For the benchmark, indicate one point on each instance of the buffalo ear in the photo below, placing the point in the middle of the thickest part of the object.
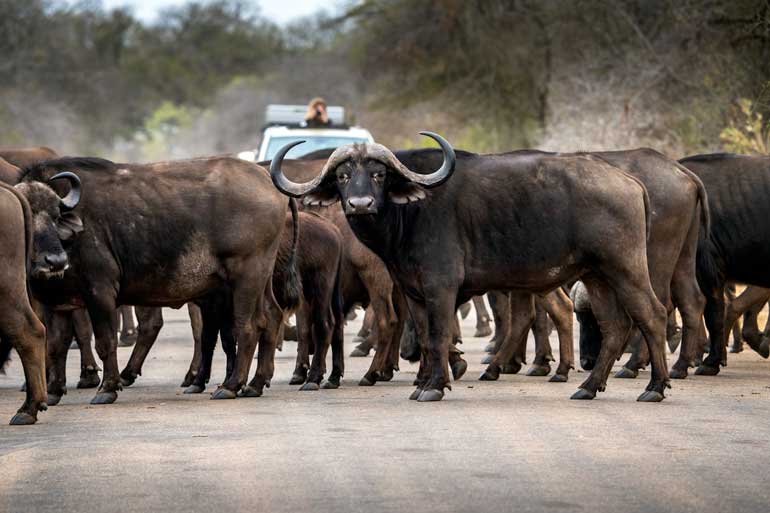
(324, 195)
(69, 225)
(406, 192)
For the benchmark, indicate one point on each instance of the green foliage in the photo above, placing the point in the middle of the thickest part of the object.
(492, 76)
(162, 126)
(747, 131)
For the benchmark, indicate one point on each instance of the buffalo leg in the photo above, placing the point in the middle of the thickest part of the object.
(103, 312)
(364, 339)
(522, 306)
(639, 359)
(58, 337)
(751, 298)
(419, 319)
(249, 320)
(24, 331)
(559, 307)
(267, 344)
(615, 326)
(482, 317)
(637, 298)
(209, 330)
(89, 370)
(128, 334)
(196, 325)
(691, 303)
(543, 356)
(304, 334)
(322, 326)
(501, 311)
(440, 308)
(381, 300)
(456, 362)
(150, 324)
(714, 315)
(337, 344)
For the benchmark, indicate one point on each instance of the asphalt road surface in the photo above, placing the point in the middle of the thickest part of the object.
(518, 444)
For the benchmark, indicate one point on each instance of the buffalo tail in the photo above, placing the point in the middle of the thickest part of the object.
(293, 285)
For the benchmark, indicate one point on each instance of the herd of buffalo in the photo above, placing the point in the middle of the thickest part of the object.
(622, 239)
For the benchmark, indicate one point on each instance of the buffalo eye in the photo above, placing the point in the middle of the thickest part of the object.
(343, 178)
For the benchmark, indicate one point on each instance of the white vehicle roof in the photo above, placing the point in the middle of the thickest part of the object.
(275, 137)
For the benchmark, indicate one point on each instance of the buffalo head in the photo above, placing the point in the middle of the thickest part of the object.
(364, 177)
(53, 221)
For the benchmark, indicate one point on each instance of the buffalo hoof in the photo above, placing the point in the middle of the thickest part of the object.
(675, 373)
(626, 373)
(706, 370)
(737, 347)
(487, 359)
(489, 375)
(310, 386)
(764, 348)
(357, 352)
(127, 380)
(53, 399)
(415, 395)
(106, 397)
(330, 384)
(127, 339)
(386, 376)
(483, 331)
(558, 378)
(23, 419)
(188, 379)
(510, 368)
(650, 396)
(539, 370)
(583, 395)
(430, 395)
(458, 369)
(297, 379)
(194, 389)
(490, 348)
(90, 380)
(250, 391)
(223, 393)
(366, 382)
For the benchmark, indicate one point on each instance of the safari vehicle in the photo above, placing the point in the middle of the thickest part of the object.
(285, 123)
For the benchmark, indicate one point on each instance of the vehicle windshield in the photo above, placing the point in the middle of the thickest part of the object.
(312, 143)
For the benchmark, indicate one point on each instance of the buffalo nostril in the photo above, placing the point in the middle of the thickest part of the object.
(361, 202)
(56, 261)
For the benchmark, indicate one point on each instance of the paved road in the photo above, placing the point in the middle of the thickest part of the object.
(517, 444)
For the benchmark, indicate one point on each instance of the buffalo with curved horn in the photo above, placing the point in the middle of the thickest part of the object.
(363, 194)
(522, 223)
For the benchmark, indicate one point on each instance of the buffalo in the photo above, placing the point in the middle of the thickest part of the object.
(738, 246)
(20, 328)
(44, 221)
(448, 236)
(680, 215)
(144, 242)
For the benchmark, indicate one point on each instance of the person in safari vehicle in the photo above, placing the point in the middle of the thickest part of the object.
(316, 116)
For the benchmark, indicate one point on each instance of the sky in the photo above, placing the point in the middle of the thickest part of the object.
(279, 11)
